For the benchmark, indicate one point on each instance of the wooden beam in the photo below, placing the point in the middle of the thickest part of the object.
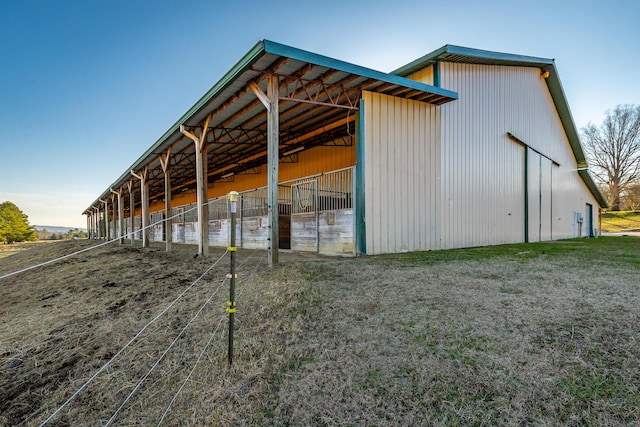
(165, 162)
(260, 95)
(202, 187)
(143, 176)
(132, 209)
(118, 194)
(97, 221)
(273, 143)
(105, 202)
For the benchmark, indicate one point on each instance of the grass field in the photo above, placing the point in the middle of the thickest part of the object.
(619, 222)
(530, 334)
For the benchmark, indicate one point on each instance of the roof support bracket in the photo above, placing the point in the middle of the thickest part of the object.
(143, 176)
(132, 208)
(261, 95)
(202, 187)
(118, 194)
(165, 162)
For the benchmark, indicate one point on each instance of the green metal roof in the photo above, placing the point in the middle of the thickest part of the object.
(459, 54)
(234, 103)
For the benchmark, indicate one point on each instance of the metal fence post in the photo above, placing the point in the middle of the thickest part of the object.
(231, 304)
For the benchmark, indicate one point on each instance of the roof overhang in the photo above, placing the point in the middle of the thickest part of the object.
(459, 54)
(326, 89)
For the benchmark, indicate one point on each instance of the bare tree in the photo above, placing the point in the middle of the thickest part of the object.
(632, 198)
(613, 150)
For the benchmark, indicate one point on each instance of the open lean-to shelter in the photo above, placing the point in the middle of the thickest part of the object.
(462, 147)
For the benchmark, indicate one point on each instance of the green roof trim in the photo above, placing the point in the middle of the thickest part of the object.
(251, 57)
(451, 53)
(246, 62)
(325, 61)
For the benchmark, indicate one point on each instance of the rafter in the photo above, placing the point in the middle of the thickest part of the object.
(318, 92)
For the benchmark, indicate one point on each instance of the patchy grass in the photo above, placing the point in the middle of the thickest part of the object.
(14, 248)
(619, 222)
(535, 334)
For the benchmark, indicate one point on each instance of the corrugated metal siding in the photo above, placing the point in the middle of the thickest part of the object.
(540, 196)
(310, 162)
(482, 169)
(546, 180)
(423, 76)
(495, 100)
(401, 154)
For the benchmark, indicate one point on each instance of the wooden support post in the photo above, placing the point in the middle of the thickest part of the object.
(132, 210)
(273, 137)
(93, 224)
(165, 162)
(118, 194)
(106, 218)
(113, 226)
(202, 191)
(143, 176)
(97, 222)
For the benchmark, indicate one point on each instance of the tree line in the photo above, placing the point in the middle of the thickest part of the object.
(613, 152)
(15, 227)
(75, 233)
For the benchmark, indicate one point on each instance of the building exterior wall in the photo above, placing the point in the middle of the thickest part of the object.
(450, 176)
(401, 153)
(313, 161)
(482, 171)
(425, 75)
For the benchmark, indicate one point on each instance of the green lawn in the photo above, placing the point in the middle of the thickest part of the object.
(618, 222)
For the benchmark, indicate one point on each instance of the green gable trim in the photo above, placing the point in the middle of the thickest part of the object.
(451, 53)
(459, 54)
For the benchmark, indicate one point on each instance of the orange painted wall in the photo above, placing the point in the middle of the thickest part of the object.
(310, 162)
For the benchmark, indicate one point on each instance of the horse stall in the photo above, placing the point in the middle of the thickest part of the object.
(254, 219)
(322, 215)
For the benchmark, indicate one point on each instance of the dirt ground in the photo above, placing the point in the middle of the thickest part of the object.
(538, 334)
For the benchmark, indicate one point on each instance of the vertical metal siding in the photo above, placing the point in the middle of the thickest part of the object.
(401, 150)
(482, 170)
(423, 76)
(546, 180)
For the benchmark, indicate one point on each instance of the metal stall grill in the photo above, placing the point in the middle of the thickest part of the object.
(322, 217)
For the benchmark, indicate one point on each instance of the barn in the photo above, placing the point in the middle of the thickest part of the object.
(462, 147)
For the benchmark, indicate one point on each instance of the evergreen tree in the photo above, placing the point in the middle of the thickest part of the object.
(14, 225)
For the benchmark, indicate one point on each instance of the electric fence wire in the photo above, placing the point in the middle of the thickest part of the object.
(206, 346)
(101, 244)
(144, 377)
(133, 339)
(164, 353)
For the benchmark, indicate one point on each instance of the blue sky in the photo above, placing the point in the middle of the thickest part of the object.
(87, 86)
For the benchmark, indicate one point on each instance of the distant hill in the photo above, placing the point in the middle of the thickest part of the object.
(56, 229)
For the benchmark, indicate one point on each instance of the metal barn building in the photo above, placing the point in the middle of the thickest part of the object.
(462, 147)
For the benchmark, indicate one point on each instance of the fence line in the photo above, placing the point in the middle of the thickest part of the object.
(146, 375)
(131, 341)
(166, 411)
(98, 245)
(164, 353)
